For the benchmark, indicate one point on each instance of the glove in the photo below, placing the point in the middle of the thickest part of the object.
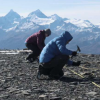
(74, 53)
(76, 63)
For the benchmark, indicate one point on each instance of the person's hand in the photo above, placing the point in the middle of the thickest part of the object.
(76, 63)
(74, 53)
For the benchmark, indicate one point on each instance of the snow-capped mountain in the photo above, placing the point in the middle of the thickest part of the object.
(98, 25)
(4, 23)
(2, 33)
(80, 23)
(13, 17)
(10, 20)
(41, 21)
(55, 17)
(26, 25)
(59, 26)
(65, 19)
(14, 30)
(37, 13)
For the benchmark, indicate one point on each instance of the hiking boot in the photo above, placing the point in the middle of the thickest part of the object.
(29, 60)
(57, 76)
(37, 60)
(38, 75)
(41, 76)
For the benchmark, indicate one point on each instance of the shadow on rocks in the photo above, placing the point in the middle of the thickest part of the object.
(69, 79)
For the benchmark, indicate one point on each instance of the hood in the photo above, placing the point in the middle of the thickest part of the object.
(66, 36)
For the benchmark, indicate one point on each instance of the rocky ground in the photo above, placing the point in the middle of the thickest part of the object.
(18, 79)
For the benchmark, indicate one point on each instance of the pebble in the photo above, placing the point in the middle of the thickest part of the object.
(91, 93)
(43, 97)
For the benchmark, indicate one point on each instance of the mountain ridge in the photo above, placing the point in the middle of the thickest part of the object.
(17, 29)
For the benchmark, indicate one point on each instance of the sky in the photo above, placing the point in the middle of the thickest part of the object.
(79, 9)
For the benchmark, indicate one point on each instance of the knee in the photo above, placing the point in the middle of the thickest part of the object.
(65, 57)
(26, 44)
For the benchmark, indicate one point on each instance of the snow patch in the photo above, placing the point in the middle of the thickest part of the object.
(8, 52)
(80, 23)
(15, 22)
(42, 21)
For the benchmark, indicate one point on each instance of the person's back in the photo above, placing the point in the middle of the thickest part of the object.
(34, 37)
(55, 47)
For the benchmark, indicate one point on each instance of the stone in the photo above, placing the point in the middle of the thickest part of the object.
(11, 89)
(91, 93)
(43, 97)
(26, 92)
(5, 96)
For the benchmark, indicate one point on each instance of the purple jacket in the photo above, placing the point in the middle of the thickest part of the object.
(37, 39)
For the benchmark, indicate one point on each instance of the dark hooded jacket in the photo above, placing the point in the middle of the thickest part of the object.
(55, 47)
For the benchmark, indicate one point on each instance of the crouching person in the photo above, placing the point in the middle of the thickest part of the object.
(36, 43)
(55, 55)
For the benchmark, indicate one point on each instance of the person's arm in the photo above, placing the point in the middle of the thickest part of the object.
(69, 62)
(72, 63)
(40, 41)
(43, 44)
(62, 47)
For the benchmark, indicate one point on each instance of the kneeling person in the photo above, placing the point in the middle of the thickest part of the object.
(55, 55)
(36, 43)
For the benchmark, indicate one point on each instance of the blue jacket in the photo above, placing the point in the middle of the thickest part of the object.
(56, 47)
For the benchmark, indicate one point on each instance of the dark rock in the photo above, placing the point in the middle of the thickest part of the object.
(55, 98)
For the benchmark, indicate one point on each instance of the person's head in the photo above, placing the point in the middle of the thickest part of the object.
(47, 32)
(66, 37)
(68, 41)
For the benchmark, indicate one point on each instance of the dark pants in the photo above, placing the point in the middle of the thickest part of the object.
(54, 67)
(35, 51)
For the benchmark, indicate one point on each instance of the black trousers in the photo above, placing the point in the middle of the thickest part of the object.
(55, 66)
(35, 51)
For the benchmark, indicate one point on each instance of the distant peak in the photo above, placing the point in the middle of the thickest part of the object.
(11, 10)
(38, 10)
(37, 13)
(11, 14)
(87, 21)
(55, 16)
